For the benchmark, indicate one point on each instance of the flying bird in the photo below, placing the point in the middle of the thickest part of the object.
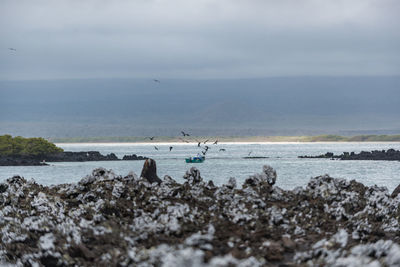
(216, 142)
(157, 81)
(185, 134)
(12, 49)
(207, 147)
(250, 153)
(151, 138)
(170, 148)
(222, 149)
(156, 148)
(206, 141)
(204, 152)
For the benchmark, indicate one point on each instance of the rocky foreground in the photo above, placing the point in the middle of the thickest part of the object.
(108, 219)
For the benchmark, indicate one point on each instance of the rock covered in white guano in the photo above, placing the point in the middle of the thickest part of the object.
(231, 183)
(270, 174)
(268, 177)
(193, 176)
(129, 221)
(99, 174)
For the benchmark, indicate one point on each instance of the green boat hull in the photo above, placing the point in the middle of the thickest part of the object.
(195, 160)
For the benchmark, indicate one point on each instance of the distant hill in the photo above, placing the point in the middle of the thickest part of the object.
(194, 139)
(270, 106)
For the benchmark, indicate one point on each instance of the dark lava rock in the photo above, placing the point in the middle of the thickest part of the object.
(3, 187)
(21, 161)
(110, 220)
(149, 171)
(133, 157)
(69, 156)
(390, 154)
(193, 175)
(396, 191)
(66, 156)
(262, 181)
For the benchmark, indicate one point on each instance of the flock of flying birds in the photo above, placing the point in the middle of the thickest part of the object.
(206, 148)
(199, 143)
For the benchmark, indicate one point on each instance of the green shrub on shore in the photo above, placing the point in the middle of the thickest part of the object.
(18, 145)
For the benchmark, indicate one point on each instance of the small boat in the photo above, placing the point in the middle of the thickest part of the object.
(198, 159)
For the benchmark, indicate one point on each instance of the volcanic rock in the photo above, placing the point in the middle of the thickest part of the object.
(396, 191)
(108, 219)
(66, 156)
(149, 171)
(193, 175)
(133, 157)
(389, 154)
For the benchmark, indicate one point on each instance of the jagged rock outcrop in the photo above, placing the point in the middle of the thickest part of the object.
(193, 176)
(66, 156)
(389, 154)
(108, 219)
(149, 171)
(21, 161)
(396, 191)
(133, 157)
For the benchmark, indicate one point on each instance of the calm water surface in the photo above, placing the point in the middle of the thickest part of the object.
(220, 165)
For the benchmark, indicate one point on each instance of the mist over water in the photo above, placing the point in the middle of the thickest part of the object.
(220, 166)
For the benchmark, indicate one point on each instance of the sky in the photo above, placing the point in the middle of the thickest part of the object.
(198, 39)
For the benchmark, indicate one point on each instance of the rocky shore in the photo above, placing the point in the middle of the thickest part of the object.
(108, 219)
(31, 160)
(389, 154)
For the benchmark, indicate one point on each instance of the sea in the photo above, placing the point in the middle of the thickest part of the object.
(224, 160)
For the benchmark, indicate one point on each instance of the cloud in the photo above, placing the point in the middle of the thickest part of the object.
(198, 39)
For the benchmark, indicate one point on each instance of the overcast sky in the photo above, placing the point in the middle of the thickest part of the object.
(198, 39)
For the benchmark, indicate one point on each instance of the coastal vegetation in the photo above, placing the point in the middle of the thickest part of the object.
(318, 138)
(20, 146)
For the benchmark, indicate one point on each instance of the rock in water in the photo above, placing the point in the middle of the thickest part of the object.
(396, 191)
(149, 171)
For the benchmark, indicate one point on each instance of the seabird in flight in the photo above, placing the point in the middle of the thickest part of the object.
(185, 134)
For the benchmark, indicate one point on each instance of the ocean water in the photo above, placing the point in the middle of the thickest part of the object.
(221, 165)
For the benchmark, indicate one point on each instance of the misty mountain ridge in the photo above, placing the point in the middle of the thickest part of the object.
(269, 106)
